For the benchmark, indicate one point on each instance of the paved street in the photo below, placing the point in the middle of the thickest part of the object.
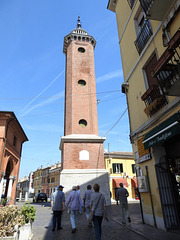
(112, 230)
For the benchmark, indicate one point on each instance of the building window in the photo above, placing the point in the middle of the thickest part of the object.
(143, 30)
(138, 172)
(52, 180)
(133, 168)
(148, 72)
(83, 155)
(153, 98)
(81, 50)
(83, 123)
(117, 167)
(82, 83)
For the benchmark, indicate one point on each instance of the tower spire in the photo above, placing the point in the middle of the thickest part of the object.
(78, 22)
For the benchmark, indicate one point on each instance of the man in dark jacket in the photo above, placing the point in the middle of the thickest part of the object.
(122, 194)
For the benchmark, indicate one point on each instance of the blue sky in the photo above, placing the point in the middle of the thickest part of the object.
(32, 73)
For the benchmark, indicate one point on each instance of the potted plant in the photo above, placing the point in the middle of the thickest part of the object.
(10, 216)
(29, 212)
(15, 223)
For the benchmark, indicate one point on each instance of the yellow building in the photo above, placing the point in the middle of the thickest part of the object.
(37, 180)
(121, 168)
(54, 177)
(149, 39)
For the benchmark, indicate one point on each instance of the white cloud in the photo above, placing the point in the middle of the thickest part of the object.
(48, 101)
(44, 127)
(42, 92)
(109, 76)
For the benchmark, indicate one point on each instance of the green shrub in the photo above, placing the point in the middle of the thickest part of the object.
(29, 212)
(9, 217)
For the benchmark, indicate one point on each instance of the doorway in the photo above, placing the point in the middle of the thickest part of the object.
(171, 172)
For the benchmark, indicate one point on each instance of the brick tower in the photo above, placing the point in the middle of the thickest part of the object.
(82, 153)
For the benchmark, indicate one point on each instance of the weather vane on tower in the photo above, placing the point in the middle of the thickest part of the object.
(78, 22)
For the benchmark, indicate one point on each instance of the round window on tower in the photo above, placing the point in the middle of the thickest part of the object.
(83, 123)
(82, 83)
(81, 49)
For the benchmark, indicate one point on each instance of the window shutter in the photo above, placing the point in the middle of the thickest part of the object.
(133, 168)
(114, 167)
(121, 167)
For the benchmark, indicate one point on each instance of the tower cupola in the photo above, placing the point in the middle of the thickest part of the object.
(78, 34)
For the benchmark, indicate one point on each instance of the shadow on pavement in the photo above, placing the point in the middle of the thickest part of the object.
(42, 227)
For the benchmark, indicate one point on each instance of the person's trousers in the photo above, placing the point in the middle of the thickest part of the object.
(87, 212)
(57, 218)
(73, 218)
(97, 220)
(124, 211)
(80, 209)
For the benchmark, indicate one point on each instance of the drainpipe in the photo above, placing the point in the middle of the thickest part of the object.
(150, 196)
(5, 140)
(140, 201)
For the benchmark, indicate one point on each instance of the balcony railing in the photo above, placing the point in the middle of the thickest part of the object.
(143, 36)
(146, 5)
(167, 70)
(154, 9)
(154, 100)
(131, 3)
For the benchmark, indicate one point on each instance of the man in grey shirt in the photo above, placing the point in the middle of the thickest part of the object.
(122, 195)
(98, 205)
(57, 205)
(86, 198)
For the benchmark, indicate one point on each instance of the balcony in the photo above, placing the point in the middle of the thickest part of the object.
(143, 36)
(156, 9)
(167, 70)
(131, 3)
(154, 100)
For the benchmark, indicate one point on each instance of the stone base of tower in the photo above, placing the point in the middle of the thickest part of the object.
(84, 177)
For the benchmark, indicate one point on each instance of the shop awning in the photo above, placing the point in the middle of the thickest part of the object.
(163, 132)
(134, 183)
(168, 53)
(117, 181)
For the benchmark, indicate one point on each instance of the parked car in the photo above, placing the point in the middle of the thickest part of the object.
(40, 197)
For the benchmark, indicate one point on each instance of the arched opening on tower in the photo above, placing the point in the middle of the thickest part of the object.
(83, 123)
(82, 82)
(81, 50)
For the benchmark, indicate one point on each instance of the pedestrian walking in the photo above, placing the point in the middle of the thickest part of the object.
(86, 198)
(78, 190)
(57, 205)
(74, 201)
(98, 205)
(122, 194)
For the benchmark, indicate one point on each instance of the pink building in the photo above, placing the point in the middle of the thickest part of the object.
(12, 137)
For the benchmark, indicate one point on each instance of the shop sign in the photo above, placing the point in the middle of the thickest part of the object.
(161, 138)
(143, 154)
(143, 184)
(163, 132)
(145, 157)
